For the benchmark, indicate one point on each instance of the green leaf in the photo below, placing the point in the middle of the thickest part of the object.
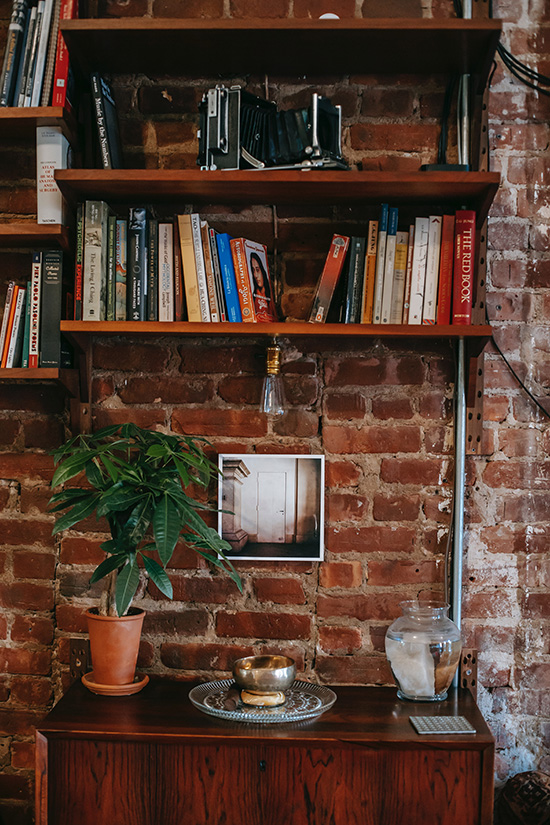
(80, 511)
(126, 585)
(69, 468)
(158, 576)
(137, 523)
(107, 566)
(119, 497)
(166, 528)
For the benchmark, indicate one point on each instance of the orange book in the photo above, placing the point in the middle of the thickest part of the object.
(370, 273)
(329, 278)
(446, 270)
(9, 325)
(464, 266)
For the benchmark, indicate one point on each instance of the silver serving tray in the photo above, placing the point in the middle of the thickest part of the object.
(303, 701)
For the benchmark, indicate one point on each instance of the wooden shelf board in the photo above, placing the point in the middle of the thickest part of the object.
(287, 47)
(475, 190)
(68, 378)
(33, 234)
(21, 121)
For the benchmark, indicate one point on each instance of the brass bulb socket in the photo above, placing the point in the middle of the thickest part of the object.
(273, 365)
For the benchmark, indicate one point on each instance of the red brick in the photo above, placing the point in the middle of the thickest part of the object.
(31, 692)
(517, 475)
(71, 618)
(159, 389)
(241, 389)
(263, 625)
(345, 440)
(340, 639)
(13, 786)
(43, 433)
(28, 628)
(199, 589)
(407, 369)
(314, 8)
(19, 660)
(383, 573)
(345, 406)
(496, 604)
(342, 474)
(202, 656)
(219, 422)
(341, 574)
(3, 627)
(19, 723)
(396, 508)
(363, 607)
(417, 471)
(28, 565)
(279, 591)
(186, 622)
(370, 539)
(517, 443)
(298, 423)
(496, 407)
(35, 499)
(27, 596)
(353, 670)
(81, 551)
(8, 433)
(391, 408)
(131, 356)
(407, 138)
(22, 755)
(222, 359)
(16, 466)
(148, 419)
(300, 390)
(258, 8)
(345, 507)
(45, 401)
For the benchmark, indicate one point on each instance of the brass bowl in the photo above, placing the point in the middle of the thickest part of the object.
(265, 674)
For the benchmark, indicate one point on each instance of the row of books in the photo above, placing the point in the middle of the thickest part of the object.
(29, 335)
(422, 275)
(140, 268)
(35, 68)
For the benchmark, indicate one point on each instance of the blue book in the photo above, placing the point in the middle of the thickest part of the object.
(228, 277)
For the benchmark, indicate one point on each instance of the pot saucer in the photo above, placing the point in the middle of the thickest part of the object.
(114, 690)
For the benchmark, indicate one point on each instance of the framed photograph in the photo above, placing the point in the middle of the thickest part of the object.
(272, 506)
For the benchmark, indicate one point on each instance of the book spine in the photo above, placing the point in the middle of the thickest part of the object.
(9, 328)
(111, 124)
(16, 30)
(41, 53)
(399, 272)
(79, 256)
(380, 261)
(228, 276)
(111, 253)
(179, 291)
(217, 274)
(137, 263)
(242, 278)
(152, 271)
(389, 264)
(370, 273)
(463, 278)
(16, 338)
(5, 316)
(408, 277)
(99, 109)
(50, 55)
(429, 308)
(50, 336)
(27, 97)
(36, 283)
(121, 269)
(52, 152)
(445, 290)
(94, 279)
(69, 10)
(200, 267)
(27, 36)
(332, 270)
(209, 269)
(418, 274)
(27, 329)
(166, 271)
(189, 268)
(255, 259)
(355, 280)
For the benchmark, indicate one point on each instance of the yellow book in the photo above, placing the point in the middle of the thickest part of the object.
(189, 268)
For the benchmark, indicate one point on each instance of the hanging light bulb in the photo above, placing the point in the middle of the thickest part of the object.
(273, 396)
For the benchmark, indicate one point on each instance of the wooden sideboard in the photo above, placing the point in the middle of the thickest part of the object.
(154, 759)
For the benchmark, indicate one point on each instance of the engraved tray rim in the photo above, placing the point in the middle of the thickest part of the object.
(262, 716)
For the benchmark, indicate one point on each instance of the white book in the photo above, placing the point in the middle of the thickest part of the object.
(94, 268)
(399, 272)
(52, 152)
(389, 264)
(199, 264)
(418, 273)
(166, 271)
(41, 53)
(16, 337)
(429, 309)
(380, 261)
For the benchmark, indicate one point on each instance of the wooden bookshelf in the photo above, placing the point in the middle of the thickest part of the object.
(66, 378)
(14, 235)
(227, 47)
(21, 121)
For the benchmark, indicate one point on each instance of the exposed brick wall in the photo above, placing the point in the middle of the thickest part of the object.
(381, 414)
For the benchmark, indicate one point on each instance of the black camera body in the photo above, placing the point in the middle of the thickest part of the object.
(239, 130)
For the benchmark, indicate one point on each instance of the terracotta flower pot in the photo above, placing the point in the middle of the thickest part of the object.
(114, 647)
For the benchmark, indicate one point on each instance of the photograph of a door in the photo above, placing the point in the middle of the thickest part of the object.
(272, 506)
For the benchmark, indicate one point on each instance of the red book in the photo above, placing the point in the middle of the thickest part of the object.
(464, 266)
(446, 257)
(329, 278)
(69, 10)
(253, 282)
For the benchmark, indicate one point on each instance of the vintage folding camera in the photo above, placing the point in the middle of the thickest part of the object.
(239, 130)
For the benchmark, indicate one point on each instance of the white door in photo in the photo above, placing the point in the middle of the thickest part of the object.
(271, 507)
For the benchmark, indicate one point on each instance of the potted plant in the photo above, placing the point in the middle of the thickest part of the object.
(138, 480)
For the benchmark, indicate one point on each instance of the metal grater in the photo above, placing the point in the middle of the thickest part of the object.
(441, 724)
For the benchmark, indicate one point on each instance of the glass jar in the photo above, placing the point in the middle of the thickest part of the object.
(423, 648)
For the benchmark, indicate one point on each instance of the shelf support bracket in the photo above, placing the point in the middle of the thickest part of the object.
(81, 408)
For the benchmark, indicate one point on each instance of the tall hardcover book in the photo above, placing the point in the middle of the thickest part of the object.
(330, 275)
(243, 280)
(418, 274)
(36, 288)
(166, 270)
(227, 267)
(25, 95)
(446, 258)
(215, 258)
(5, 316)
(16, 33)
(253, 280)
(27, 328)
(356, 269)
(370, 273)
(78, 260)
(41, 53)
(51, 300)
(52, 152)
(61, 77)
(111, 268)
(121, 270)
(152, 271)
(106, 122)
(137, 263)
(380, 262)
(47, 82)
(464, 266)
(389, 264)
(399, 273)
(429, 308)
(408, 277)
(200, 266)
(94, 268)
(180, 310)
(23, 55)
(189, 268)
(15, 345)
(209, 269)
